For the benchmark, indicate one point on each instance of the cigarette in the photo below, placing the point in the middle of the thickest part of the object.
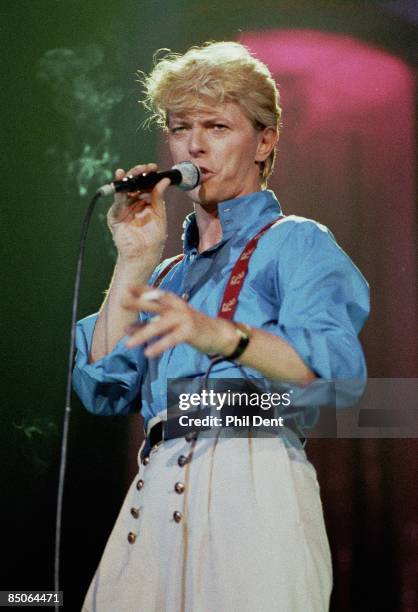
(152, 295)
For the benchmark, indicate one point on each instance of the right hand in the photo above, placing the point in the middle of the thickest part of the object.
(138, 221)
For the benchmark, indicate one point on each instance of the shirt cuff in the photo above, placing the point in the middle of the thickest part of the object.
(109, 385)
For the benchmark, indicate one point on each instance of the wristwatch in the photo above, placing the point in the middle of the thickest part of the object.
(244, 333)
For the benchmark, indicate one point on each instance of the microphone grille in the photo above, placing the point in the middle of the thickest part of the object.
(190, 173)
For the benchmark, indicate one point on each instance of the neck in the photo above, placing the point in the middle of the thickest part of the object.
(209, 225)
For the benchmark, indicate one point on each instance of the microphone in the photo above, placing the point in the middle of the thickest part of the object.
(184, 175)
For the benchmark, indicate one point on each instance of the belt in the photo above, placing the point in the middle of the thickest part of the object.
(162, 431)
(171, 429)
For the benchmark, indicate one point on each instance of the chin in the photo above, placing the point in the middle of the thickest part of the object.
(203, 196)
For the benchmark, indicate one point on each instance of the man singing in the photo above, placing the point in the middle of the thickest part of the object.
(217, 523)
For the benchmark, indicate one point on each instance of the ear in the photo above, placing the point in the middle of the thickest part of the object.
(268, 139)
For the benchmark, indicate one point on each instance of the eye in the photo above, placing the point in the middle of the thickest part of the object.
(219, 127)
(178, 129)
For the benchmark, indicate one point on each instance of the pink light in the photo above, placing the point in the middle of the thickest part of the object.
(338, 73)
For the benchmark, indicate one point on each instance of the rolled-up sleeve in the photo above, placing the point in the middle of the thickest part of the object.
(110, 385)
(324, 304)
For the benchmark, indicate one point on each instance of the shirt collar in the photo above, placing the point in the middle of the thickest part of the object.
(246, 215)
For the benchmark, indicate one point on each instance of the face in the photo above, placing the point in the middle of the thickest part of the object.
(222, 141)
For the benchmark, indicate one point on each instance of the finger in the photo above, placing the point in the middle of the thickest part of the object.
(156, 300)
(155, 327)
(137, 290)
(132, 328)
(120, 199)
(149, 292)
(157, 199)
(132, 195)
(129, 199)
(169, 340)
(142, 168)
(124, 209)
(134, 171)
(136, 305)
(161, 186)
(171, 300)
(121, 203)
(152, 294)
(142, 297)
(138, 204)
(143, 196)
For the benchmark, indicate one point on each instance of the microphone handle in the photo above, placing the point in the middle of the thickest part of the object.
(147, 181)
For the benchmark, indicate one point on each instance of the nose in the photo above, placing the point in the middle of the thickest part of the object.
(197, 141)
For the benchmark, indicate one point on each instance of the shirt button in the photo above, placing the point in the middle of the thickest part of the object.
(185, 296)
(177, 516)
(145, 460)
(182, 460)
(131, 537)
(139, 484)
(135, 512)
(179, 487)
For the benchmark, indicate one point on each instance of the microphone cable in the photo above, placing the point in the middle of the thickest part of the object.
(186, 176)
(67, 413)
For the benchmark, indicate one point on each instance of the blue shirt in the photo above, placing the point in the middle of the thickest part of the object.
(301, 286)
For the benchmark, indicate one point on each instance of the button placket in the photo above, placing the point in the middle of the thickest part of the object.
(180, 486)
(135, 510)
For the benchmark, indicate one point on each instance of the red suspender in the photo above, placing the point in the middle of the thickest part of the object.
(238, 274)
(237, 277)
(167, 269)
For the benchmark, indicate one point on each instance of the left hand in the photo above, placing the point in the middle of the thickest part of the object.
(176, 322)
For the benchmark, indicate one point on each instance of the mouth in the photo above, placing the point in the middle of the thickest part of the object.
(205, 173)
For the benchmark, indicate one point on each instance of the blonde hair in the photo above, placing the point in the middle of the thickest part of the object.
(215, 72)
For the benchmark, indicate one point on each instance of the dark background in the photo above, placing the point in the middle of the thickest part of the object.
(69, 116)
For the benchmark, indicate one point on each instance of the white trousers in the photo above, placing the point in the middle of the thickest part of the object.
(242, 531)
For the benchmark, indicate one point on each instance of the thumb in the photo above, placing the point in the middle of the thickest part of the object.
(157, 194)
